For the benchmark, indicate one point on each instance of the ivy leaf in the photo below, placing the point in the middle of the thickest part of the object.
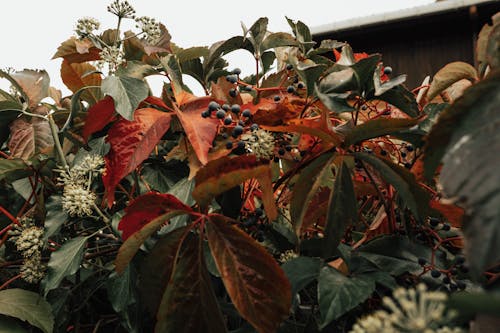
(142, 218)
(277, 39)
(27, 306)
(35, 84)
(127, 93)
(56, 216)
(449, 74)
(98, 116)
(342, 210)
(30, 136)
(76, 76)
(131, 143)
(382, 87)
(311, 178)
(200, 132)
(225, 173)
(121, 289)
(256, 284)
(189, 303)
(469, 131)
(145, 208)
(64, 262)
(401, 98)
(337, 293)
(301, 271)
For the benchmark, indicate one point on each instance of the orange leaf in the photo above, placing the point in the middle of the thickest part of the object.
(75, 50)
(256, 284)
(131, 143)
(452, 213)
(271, 113)
(200, 131)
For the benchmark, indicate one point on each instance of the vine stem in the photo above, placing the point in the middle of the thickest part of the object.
(9, 281)
(57, 144)
(9, 215)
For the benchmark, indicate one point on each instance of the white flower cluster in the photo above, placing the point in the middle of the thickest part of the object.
(150, 28)
(113, 56)
(122, 9)
(29, 241)
(260, 143)
(86, 26)
(77, 198)
(287, 256)
(410, 310)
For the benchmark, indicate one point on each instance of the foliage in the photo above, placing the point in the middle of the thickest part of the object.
(291, 200)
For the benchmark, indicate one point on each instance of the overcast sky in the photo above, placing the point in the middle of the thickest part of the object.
(32, 30)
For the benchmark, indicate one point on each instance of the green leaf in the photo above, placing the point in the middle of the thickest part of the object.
(342, 210)
(337, 293)
(256, 284)
(311, 178)
(449, 74)
(189, 303)
(64, 262)
(121, 289)
(301, 271)
(127, 93)
(136, 69)
(303, 35)
(219, 49)
(395, 255)
(401, 98)
(364, 71)
(14, 169)
(55, 218)
(432, 111)
(469, 129)
(75, 106)
(191, 53)
(257, 32)
(277, 39)
(377, 127)
(28, 306)
(413, 196)
(475, 303)
(308, 71)
(11, 325)
(173, 69)
(382, 87)
(9, 111)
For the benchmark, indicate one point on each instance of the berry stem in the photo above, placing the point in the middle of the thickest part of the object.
(9, 281)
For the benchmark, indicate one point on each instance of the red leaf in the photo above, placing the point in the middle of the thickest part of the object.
(131, 143)
(147, 207)
(224, 173)
(154, 101)
(98, 116)
(256, 284)
(75, 50)
(200, 131)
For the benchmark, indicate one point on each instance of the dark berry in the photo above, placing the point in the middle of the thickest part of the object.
(235, 108)
(232, 78)
(236, 71)
(435, 273)
(300, 85)
(246, 113)
(459, 260)
(254, 127)
(387, 70)
(296, 79)
(277, 98)
(446, 227)
(250, 221)
(403, 154)
(290, 89)
(241, 123)
(281, 151)
(461, 285)
(433, 221)
(260, 237)
(224, 135)
(225, 107)
(259, 211)
(303, 153)
(288, 148)
(212, 106)
(276, 159)
(220, 114)
(383, 152)
(453, 271)
(246, 88)
(407, 165)
(237, 131)
(228, 121)
(205, 114)
(289, 67)
(409, 148)
(364, 107)
(422, 261)
(453, 287)
(233, 92)
(446, 280)
(241, 145)
(229, 145)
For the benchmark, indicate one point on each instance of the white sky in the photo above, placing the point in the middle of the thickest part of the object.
(31, 30)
